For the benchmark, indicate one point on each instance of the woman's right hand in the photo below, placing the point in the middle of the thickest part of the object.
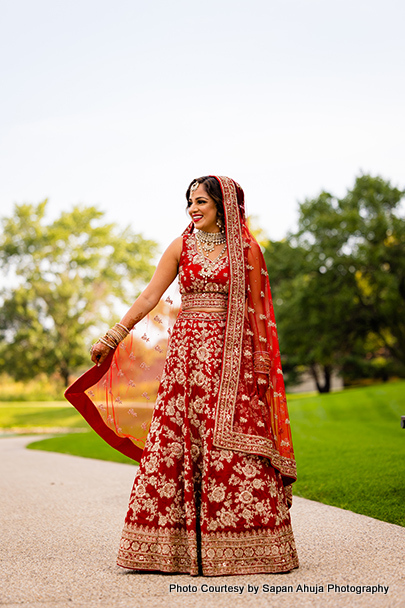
(99, 352)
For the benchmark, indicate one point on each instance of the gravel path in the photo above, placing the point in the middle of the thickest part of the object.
(61, 523)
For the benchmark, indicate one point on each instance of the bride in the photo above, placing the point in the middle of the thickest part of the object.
(213, 489)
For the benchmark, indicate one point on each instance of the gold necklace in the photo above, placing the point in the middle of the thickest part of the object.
(208, 265)
(209, 240)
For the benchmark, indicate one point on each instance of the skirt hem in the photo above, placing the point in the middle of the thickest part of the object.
(230, 571)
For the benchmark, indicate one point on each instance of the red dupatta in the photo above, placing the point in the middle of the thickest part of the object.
(117, 397)
(259, 427)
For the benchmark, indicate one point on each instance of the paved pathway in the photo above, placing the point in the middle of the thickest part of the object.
(61, 520)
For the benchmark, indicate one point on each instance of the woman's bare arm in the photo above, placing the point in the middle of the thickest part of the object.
(165, 274)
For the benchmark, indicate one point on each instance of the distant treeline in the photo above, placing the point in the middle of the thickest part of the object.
(338, 286)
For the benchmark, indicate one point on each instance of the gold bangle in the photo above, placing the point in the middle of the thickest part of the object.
(114, 336)
(106, 343)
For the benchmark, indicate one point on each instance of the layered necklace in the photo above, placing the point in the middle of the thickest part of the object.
(209, 240)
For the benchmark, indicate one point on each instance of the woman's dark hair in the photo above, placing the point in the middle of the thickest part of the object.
(213, 188)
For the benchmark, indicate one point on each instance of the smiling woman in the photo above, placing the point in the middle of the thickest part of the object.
(207, 212)
(205, 204)
(214, 483)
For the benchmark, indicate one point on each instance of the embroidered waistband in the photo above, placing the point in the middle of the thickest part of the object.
(198, 315)
(204, 300)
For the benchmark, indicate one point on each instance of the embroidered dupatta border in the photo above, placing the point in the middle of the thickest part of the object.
(224, 435)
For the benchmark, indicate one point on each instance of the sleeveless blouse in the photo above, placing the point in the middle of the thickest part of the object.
(203, 283)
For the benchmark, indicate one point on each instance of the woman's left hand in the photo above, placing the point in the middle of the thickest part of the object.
(99, 352)
(262, 384)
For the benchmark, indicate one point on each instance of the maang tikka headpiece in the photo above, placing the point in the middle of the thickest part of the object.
(194, 187)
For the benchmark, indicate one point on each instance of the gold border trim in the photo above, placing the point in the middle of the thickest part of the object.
(224, 435)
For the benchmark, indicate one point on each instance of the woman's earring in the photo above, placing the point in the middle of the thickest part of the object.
(220, 225)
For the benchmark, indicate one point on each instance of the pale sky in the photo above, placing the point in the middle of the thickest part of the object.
(120, 104)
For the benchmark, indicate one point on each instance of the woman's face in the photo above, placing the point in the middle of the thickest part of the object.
(202, 210)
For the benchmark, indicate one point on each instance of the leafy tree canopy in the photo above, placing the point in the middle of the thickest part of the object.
(339, 283)
(63, 278)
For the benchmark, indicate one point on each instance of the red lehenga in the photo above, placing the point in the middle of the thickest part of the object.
(213, 488)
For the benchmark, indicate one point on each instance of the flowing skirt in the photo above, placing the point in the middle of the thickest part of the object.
(194, 508)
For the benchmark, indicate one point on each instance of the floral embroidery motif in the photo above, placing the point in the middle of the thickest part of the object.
(238, 498)
(197, 289)
(217, 456)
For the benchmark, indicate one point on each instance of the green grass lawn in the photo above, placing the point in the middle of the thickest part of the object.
(87, 444)
(350, 450)
(24, 415)
(349, 446)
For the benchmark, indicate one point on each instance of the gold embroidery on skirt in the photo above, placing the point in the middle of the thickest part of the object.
(222, 553)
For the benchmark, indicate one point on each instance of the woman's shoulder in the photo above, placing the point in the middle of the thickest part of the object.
(176, 246)
(178, 241)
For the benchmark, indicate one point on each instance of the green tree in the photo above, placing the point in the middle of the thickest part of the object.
(64, 278)
(375, 232)
(340, 284)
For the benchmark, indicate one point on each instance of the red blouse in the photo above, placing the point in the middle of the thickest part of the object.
(203, 282)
